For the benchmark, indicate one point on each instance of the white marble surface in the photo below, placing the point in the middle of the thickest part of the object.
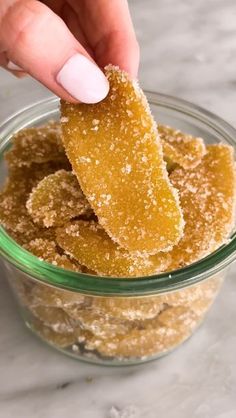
(188, 50)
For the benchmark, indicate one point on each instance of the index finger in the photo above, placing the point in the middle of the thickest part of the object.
(109, 29)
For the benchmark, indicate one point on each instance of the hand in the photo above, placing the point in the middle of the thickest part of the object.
(62, 43)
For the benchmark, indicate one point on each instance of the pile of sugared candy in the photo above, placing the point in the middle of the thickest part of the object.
(108, 193)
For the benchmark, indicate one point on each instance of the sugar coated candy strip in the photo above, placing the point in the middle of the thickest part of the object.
(157, 335)
(61, 340)
(172, 326)
(54, 318)
(13, 214)
(131, 309)
(47, 250)
(179, 148)
(59, 298)
(12, 209)
(207, 195)
(24, 174)
(88, 243)
(116, 153)
(15, 219)
(57, 199)
(197, 297)
(36, 145)
(180, 318)
(32, 175)
(99, 324)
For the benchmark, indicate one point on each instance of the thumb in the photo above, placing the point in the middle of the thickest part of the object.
(39, 42)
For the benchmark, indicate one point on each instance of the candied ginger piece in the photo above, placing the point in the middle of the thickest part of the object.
(198, 297)
(54, 318)
(32, 175)
(43, 295)
(207, 195)
(131, 309)
(88, 243)
(13, 214)
(58, 339)
(47, 250)
(116, 153)
(170, 327)
(180, 318)
(141, 342)
(57, 199)
(16, 221)
(36, 145)
(179, 148)
(12, 210)
(99, 324)
(25, 231)
(17, 188)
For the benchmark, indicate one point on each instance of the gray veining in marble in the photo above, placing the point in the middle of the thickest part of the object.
(188, 49)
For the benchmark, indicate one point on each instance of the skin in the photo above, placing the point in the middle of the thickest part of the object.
(40, 36)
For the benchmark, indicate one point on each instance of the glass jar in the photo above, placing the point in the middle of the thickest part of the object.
(116, 321)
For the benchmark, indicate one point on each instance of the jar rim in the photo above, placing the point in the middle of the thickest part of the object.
(101, 285)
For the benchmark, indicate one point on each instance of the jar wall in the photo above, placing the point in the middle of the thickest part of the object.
(109, 330)
(112, 330)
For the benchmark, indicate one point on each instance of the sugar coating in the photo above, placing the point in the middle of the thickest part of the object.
(13, 214)
(198, 297)
(157, 335)
(26, 169)
(113, 327)
(57, 199)
(178, 318)
(179, 148)
(107, 331)
(32, 175)
(65, 339)
(120, 167)
(131, 309)
(54, 318)
(47, 250)
(88, 243)
(207, 195)
(100, 325)
(41, 295)
(61, 340)
(36, 145)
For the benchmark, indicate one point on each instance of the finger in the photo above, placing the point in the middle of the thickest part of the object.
(18, 74)
(39, 42)
(71, 19)
(16, 70)
(55, 5)
(11, 67)
(109, 30)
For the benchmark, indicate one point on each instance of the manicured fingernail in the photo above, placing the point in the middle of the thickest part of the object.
(13, 67)
(83, 80)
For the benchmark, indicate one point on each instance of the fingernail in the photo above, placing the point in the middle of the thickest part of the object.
(83, 80)
(13, 67)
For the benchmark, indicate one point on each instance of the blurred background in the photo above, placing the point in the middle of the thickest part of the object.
(188, 49)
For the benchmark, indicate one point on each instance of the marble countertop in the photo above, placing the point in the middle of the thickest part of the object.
(188, 49)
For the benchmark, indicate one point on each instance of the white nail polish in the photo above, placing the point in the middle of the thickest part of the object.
(83, 79)
(13, 67)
